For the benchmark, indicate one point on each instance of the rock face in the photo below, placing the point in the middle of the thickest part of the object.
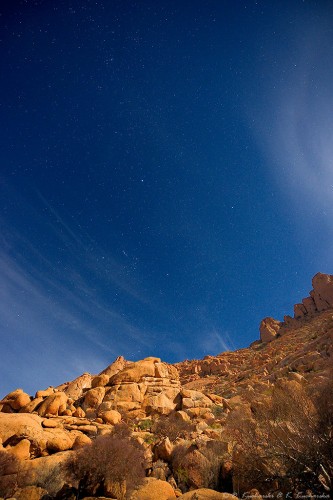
(75, 389)
(269, 328)
(147, 386)
(320, 299)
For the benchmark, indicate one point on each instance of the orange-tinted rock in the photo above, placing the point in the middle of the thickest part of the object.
(136, 371)
(93, 398)
(115, 367)
(32, 406)
(79, 413)
(16, 399)
(39, 471)
(163, 450)
(45, 393)
(58, 440)
(269, 327)
(154, 489)
(111, 417)
(100, 380)
(21, 450)
(322, 291)
(75, 389)
(53, 405)
(20, 424)
(80, 441)
(309, 305)
(299, 311)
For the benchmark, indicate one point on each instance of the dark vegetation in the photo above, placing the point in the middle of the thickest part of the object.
(112, 465)
(286, 444)
(173, 427)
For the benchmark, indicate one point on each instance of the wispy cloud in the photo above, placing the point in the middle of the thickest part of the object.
(298, 131)
(294, 128)
(214, 342)
(57, 316)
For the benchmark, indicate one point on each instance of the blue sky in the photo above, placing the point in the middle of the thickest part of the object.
(166, 177)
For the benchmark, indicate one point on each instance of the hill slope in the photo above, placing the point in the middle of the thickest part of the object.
(187, 405)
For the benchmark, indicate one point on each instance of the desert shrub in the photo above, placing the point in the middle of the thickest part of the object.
(195, 469)
(217, 411)
(160, 470)
(285, 445)
(150, 438)
(145, 425)
(113, 464)
(172, 427)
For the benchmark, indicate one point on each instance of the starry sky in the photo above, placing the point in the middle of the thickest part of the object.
(166, 177)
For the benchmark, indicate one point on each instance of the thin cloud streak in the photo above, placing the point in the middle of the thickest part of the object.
(215, 342)
(52, 314)
(298, 119)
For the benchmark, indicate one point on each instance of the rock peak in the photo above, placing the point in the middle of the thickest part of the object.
(320, 299)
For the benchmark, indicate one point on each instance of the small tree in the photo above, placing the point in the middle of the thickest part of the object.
(173, 427)
(286, 444)
(112, 464)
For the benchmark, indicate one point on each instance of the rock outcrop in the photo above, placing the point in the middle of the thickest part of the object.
(144, 387)
(269, 328)
(195, 397)
(320, 299)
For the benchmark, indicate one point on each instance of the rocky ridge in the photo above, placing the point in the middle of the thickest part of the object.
(42, 430)
(299, 348)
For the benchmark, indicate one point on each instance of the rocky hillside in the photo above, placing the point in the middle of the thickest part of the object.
(299, 348)
(165, 406)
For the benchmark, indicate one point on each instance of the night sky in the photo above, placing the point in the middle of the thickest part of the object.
(166, 177)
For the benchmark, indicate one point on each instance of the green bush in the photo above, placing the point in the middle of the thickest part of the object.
(217, 411)
(145, 425)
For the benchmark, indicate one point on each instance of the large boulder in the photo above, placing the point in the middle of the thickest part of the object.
(115, 367)
(195, 399)
(47, 472)
(135, 372)
(44, 394)
(163, 450)
(32, 406)
(299, 311)
(153, 489)
(159, 403)
(147, 386)
(76, 388)
(53, 405)
(322, 291)
(16, 399)
(320, 299)
(21, 450)
(93, 398)
(58, 440)
(100, 380)
(111, 417)
(21, 425)
(269, 328)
